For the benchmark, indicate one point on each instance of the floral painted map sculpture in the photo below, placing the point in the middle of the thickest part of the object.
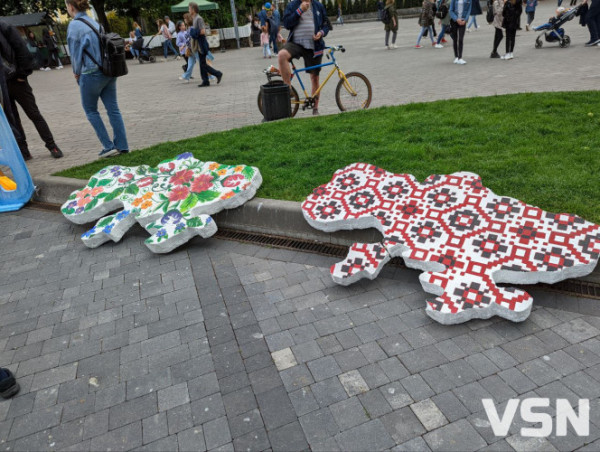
(172, 202)
(464, 237)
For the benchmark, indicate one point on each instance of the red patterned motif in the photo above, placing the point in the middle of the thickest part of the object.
(464, 237)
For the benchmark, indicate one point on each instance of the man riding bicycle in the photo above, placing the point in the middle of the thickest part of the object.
(308, 25)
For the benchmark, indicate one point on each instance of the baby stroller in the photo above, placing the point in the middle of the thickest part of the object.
(556, 34)
(144, 50)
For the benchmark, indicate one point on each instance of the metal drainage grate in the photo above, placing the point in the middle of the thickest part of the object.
(573, 287)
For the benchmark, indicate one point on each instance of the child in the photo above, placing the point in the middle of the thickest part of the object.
(426, 21)
(8, 384)
(264, 41)
(530, 6)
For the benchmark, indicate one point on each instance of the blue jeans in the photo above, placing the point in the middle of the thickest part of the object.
(167, 44)
(190, 65)
(273, 40)
(423, 32)
(473, 22)
(96, 86)
(442, 33)
(135, 53)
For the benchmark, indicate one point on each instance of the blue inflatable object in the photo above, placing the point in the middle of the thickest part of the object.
(15, 192)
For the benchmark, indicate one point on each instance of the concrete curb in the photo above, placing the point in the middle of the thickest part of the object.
(259, 215)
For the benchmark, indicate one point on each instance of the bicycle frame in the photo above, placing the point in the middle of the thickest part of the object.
(333, 62)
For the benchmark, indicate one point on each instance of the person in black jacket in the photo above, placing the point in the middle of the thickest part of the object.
(18, 65)
(5, 103)
(510, 22)
(52, 45)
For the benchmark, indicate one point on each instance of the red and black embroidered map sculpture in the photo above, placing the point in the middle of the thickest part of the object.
(465, 238)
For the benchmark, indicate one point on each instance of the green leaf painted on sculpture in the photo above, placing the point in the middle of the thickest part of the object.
(207, 196)
(91, 204)
(189, 202)
(115, 194)
(132, 189)
(248, 172)
(105, 221)
(92, 183)
(195, 223)
(104, 182)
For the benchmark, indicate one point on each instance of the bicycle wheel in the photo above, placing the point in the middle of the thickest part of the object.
(354, 93)
(294, 99)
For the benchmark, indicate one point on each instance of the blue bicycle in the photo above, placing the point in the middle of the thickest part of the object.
(353, 91)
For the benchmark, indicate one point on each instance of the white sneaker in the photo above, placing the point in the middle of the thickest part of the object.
(394, 46)
(187, 80)
(505, 56)
(455, 61)
(438, 46)
(468, 30)
(511, 55)
(461, 61)
(60, 67)
(388, 47)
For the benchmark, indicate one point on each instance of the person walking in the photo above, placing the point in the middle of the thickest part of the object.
(340, 19)
(139, 34)
(460, 10)
(167, 43)
(511, 12)
(84, 47)
(592, 20)
(426, 21)
(200, 46)
(264, 41)
(498, 6)
(391, 26)
(15, 54)
(475, 11)
(274, 22)
(187, 47)
(530, 7)
(51, 44)
(442, 13)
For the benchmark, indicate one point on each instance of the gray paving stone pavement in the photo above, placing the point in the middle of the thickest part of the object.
(157, 107)
(112, 354)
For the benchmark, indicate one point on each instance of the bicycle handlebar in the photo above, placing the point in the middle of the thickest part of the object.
(336, 48)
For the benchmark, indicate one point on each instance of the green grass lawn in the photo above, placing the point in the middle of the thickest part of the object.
(540, 148)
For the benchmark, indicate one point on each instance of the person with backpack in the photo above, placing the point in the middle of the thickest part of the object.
(497, 8)
(510, 13)
(89, 58)
(459, 13)
(530, 7)
(17, 66)
(389, 17)
(442, 14)
(426, 21)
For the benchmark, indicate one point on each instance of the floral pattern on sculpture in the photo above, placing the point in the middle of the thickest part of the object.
(172, 202)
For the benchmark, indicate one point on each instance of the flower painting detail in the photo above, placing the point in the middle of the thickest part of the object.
(173, 201)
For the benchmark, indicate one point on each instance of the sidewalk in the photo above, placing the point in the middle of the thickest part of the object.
(223, 346)
(157, 107)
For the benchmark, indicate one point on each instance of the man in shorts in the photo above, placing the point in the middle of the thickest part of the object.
(308, 25)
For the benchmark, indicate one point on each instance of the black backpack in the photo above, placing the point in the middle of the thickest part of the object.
(442, 11)
(112, 51)
(386, 17)
(490, 11)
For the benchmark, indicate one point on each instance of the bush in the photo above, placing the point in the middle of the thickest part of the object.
(120, 25)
